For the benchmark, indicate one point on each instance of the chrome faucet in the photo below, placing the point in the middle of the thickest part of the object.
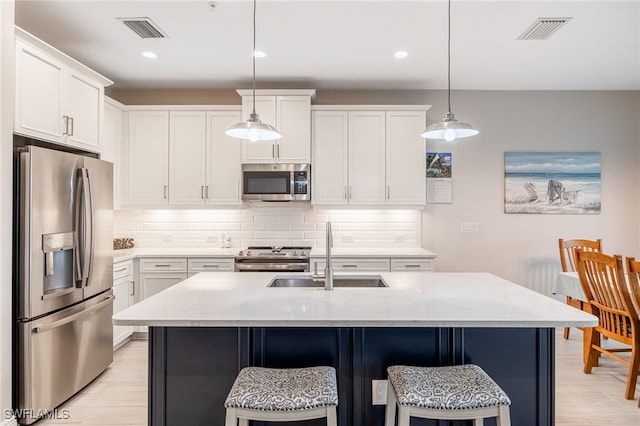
(328, 267)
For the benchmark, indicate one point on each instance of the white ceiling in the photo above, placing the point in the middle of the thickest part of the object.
(332, 44)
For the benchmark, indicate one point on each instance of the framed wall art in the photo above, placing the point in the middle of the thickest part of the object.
(552, 182)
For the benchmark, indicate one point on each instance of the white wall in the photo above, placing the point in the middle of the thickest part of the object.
(6, 130)
(265, 226)
(523, 248)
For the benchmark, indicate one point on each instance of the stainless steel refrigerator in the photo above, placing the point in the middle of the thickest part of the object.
(63, 274)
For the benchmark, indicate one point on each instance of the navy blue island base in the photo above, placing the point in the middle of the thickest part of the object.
(191, 369)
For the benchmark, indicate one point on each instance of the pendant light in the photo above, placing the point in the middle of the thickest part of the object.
(449, 128)
(253, 129)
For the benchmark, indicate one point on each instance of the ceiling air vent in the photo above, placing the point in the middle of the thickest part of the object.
(144, 27)
(543, 28)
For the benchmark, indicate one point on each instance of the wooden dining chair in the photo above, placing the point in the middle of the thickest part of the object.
(568, 249)
(604, 283)
(633, 272)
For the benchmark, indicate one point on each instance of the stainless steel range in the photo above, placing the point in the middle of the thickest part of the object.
(269, 259)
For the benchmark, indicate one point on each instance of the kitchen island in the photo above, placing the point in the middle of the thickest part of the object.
(205, 329)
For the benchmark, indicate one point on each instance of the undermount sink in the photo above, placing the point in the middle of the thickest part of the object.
(360, 281)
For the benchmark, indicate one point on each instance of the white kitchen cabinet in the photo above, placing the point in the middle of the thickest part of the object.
(223, 153)
(57, 98)
(187, 157)
(112, 147)
(352, 264)
(368, 156)
(124, 292)
(148, 158)
(157, 274)
(375, 264)
(405, 157)
(210, 264)
(348, 157)
(184, 158)
(330, 168)
(290, 113)
(422, 264)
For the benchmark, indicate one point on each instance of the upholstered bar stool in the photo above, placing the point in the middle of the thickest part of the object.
(282, 395)
(459, 392)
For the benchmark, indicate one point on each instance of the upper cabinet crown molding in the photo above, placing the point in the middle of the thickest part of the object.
(278, 92)
(57, 99)
(370, 107)
(67, 60)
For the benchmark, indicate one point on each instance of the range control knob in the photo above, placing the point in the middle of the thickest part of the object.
(248, 252)
(241, 253)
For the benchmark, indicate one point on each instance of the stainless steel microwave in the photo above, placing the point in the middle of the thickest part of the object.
(276, 182)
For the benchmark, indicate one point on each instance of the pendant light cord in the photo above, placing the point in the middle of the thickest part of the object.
(449, 56)
(253, 55)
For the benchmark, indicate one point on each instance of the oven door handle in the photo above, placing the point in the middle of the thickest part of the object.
(256, 267)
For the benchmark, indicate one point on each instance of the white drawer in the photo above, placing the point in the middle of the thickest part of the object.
(210, 264)
(168, 264)
(422, 265)
(122, 269)
(365, 265)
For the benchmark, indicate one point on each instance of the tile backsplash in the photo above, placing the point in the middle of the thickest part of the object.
(294, 225)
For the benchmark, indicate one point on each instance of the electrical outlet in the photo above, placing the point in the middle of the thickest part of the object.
(379, 392)
(211, 239)
(347, 238)
(469, 227)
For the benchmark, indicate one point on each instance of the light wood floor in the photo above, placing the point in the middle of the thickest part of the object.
(119, 395)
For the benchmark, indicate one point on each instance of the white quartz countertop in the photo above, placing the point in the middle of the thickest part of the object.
(373, 252)
(408, 252)
(413, 299)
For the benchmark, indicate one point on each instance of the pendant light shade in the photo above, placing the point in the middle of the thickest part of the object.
(449, 128)
(253, 129)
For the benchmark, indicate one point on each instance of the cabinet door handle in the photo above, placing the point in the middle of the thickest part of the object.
(66, 124)
(202, 192)
(349, 192)
(71, 121)
(388, 192)
(273, 151)
(277, 151)
(346, 196)
(207, 192)
(132, 288)
(165, 190)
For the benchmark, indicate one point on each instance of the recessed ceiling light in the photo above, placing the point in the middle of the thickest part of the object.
(400, 54)
(150, 55)
(259, 54)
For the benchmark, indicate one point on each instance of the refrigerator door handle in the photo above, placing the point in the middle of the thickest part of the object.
(84, 220)
(70, 318)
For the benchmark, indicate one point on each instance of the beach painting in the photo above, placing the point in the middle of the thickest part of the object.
(552, 182)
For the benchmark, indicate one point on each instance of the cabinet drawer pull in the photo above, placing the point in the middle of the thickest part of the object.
(210, 266)
(411, 266)
(162, 266)
(349, 266)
